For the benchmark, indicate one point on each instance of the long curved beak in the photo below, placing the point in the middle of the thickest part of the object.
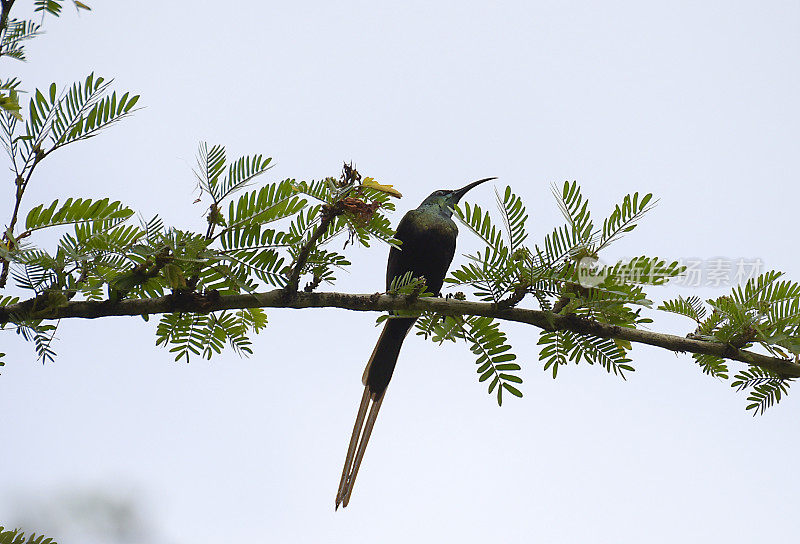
(461, 192)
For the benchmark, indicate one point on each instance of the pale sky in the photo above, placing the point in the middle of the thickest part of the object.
(695, 102)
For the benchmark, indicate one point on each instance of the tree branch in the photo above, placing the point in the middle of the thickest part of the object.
(297, 270)
(6, 9)
(203, 303)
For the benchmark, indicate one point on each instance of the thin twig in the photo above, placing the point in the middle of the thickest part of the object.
(305, 251)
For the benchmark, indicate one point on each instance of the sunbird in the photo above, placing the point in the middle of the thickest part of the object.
(428, 243)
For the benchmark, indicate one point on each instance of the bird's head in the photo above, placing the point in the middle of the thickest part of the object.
(446, 199)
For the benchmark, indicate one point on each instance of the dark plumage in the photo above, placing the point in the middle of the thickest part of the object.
(428, 235)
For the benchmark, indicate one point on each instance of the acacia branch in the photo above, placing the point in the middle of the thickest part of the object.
(202, 303)
(297, 270)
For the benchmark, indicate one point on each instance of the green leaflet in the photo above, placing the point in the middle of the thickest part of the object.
(76, 211)
(211, 165)
(624, 218)
(272, 202)
(691, 307)
(711, 365)
(764, 388)
(78, 113)
(492, 271)
(561, 347)
(206, 334)
(575, 209)
(14, 37)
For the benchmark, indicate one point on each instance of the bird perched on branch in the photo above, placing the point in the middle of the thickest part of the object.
(428, 235)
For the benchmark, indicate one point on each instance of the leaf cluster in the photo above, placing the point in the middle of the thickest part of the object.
(17, 536)
(561, 347)
(764, 388)
(207, 334)
(495, 362)
(764, 312)
(14, 33)
(561, 273)
(256, 236)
